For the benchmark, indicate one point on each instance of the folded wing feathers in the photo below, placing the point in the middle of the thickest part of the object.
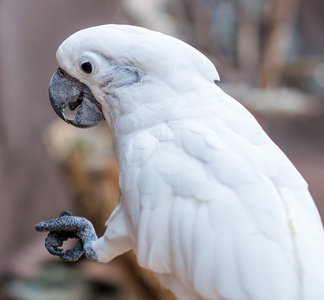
(201, 199)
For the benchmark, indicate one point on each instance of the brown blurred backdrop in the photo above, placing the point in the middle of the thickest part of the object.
(270, 56)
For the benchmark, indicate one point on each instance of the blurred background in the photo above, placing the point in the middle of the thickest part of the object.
(270, 56)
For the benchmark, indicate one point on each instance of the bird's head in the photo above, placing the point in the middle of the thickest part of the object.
(110, 70)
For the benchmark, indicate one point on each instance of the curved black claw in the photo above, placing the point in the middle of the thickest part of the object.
(65, 213)
(68, 227)
(55, 240)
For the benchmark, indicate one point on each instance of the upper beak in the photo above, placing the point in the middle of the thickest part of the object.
(65, 90)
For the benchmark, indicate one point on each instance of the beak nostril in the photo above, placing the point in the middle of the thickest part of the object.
(61, 72)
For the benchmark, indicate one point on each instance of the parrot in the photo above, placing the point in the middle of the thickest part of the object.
(207, 201)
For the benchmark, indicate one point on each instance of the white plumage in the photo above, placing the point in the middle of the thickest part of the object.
(207, 201)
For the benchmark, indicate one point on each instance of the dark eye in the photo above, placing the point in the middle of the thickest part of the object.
(86, 67)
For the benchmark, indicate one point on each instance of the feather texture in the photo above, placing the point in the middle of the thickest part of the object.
(207, 200)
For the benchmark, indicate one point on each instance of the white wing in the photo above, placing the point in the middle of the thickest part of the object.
(215, 204)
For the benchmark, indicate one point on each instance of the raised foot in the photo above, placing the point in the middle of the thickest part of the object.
(68, 227)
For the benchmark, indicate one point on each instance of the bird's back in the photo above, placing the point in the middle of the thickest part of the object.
(223, 214)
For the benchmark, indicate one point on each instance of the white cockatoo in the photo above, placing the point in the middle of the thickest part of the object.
(206, 200)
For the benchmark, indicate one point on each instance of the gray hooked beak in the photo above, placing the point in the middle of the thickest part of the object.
(67, 91)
